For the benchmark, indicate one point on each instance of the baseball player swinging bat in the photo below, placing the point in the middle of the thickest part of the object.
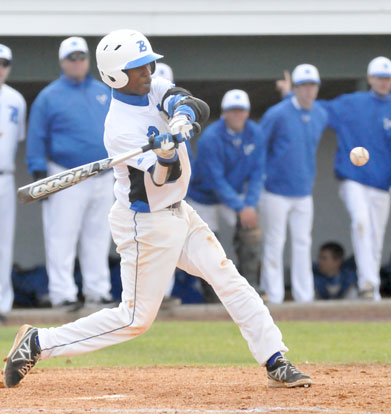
(43, 188)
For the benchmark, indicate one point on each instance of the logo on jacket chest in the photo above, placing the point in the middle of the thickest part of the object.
(387, 123)
(248, 149)
(102, 99)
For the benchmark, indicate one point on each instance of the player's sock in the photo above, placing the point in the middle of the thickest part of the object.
(271, 360)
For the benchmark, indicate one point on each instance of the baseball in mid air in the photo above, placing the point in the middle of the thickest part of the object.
(359, 156)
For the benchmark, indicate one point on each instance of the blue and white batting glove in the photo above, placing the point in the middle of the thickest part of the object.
(164, 146)
(181, 127)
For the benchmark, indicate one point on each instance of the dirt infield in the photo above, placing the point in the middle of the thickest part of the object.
(338, 389)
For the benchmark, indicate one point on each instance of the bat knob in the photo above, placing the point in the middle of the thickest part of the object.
(197, 128)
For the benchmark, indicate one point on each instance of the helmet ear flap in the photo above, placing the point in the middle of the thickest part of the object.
(117, 79)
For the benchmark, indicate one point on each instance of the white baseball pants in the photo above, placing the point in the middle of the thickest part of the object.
(276, 212)
(368, 208)
(7, 227)
(151, 245)
(75, 221)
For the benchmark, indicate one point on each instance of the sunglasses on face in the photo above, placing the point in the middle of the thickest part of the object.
(77, 56)
(5, 63)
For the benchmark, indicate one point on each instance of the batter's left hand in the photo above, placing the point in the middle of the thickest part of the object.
(164, 146)
(181, 128)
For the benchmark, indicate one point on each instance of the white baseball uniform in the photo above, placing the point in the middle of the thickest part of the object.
(368, 208)
(12, 131)
(153, 235)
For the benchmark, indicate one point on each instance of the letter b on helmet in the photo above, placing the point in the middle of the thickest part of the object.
(121, 50)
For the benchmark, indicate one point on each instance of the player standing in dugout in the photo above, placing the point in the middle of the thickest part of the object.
(154, 229)
(12, 131)
(363, 118)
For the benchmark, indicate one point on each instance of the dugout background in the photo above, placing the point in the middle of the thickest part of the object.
(209, 66)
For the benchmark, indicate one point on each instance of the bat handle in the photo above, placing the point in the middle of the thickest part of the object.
(146, 148)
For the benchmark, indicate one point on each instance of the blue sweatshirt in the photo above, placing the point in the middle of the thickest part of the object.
(67, 123)
(293, 135)
(228, 165)
(362, 119)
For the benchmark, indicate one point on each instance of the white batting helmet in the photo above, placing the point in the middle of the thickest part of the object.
(121, 50)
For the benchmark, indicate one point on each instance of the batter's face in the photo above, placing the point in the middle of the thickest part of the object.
(139, 81)
(306, 93)
(236, 118)
(382, 86)
(76, 66)
(5, 68)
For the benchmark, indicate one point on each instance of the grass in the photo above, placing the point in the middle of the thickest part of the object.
(220, 343)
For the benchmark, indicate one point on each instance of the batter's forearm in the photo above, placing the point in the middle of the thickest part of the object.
(163, 171)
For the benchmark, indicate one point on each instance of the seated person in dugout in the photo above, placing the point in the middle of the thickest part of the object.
(334, 278)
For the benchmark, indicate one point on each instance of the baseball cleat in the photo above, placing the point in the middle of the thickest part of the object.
(282, 374)
(24, 354)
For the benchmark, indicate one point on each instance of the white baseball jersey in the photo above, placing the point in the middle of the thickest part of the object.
(12, 126)
(129, 123)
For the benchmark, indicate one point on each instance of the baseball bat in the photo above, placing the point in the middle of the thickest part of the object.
(57, 182)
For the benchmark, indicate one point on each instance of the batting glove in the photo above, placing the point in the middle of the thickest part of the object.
(164, 146)
(181, 128)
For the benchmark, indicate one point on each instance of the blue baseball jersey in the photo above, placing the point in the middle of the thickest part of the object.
(293, 136)
(67, 124)
(229, 165)
(362, 119)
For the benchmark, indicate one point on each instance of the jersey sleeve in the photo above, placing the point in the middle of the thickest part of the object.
(267, 124)
(38, 135)
(160, 88)
(333, 109)
(256, 177)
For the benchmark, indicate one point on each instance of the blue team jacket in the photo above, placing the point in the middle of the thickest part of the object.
(67, 123)
(362, 119)
(293, 136)
(228, 165)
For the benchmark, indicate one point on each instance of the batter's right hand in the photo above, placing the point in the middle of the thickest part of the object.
(181, 128)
